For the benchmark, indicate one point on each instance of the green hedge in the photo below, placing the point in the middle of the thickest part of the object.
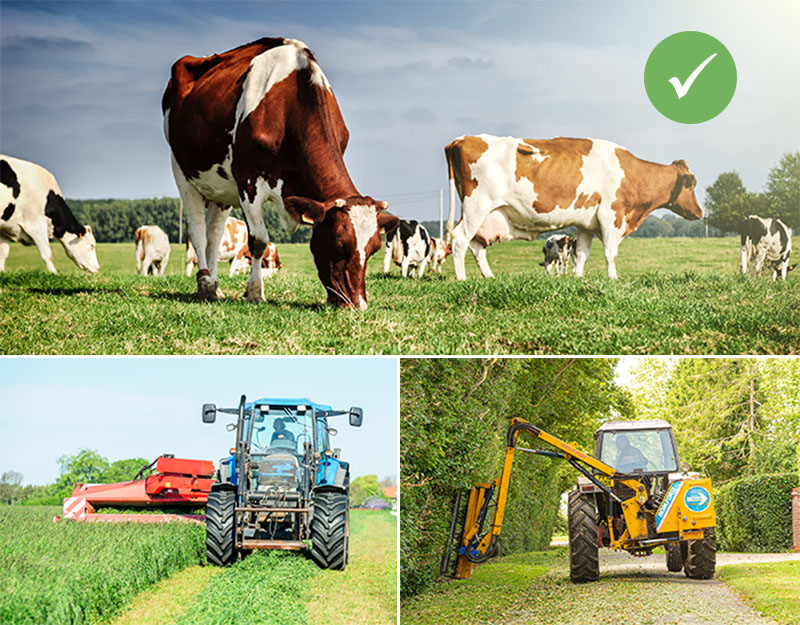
(755, 513)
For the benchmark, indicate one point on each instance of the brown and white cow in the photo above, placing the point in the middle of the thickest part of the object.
(519, 188)
(270, 262)
(440, 250)
(32, 210)
(259, 125)
(234, 237)
(152, 250)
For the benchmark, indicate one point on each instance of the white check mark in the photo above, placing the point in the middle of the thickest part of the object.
(683, 88)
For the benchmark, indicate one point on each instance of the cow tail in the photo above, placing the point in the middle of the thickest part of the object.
(452, 183)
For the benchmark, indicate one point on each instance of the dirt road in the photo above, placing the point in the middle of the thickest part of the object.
(637, 591)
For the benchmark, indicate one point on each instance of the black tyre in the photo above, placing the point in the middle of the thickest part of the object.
(674, 557)
(584, 565)
(329, 530)
(701, 557)
(220, 528)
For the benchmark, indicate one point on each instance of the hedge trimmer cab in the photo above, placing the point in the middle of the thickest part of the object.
(282, 484)
(631, 496)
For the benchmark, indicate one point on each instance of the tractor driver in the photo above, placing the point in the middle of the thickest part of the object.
(629, 458)
(281, 433)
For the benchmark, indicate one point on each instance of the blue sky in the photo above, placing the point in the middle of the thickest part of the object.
(81, 83)
(143, 407)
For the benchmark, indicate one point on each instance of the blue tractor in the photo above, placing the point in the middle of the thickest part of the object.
(282, 485)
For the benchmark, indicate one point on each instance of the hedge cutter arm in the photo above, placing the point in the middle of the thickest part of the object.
(477, 546)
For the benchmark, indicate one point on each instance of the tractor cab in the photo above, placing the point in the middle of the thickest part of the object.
(646, 447)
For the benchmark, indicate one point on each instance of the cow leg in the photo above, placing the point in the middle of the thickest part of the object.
(216, 214)
(611, 241)
(195, 208)
(745, 258)
(584, 246)
(257, 236)
(404, 267)
(479, 252)
(42, 242)
(5, 248)
(421, 267)
(387, 258)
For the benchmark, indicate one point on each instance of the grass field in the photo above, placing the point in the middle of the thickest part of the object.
(72, 573)
(771, 588)
(75, 573)
(682, 296)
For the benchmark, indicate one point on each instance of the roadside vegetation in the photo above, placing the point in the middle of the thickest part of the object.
(771, 588)
(72, 573)
(678, 296)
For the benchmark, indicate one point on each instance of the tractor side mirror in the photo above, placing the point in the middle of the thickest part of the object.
(356, 416)
(209, 413)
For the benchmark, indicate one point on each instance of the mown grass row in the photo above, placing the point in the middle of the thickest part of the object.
(772, 588)
(73, 573)
(674, 296)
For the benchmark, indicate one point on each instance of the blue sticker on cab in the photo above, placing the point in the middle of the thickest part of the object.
(697, 498)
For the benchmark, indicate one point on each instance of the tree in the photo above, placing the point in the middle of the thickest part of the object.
(124, 470)
(783, 190)
(728, 202)
(362, 487)
(86, 466)
(10, 487)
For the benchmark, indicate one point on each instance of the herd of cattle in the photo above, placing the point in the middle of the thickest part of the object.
(259, 126)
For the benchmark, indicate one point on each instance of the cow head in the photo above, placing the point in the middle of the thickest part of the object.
(682, 200)
(81, 249)
(346, 233)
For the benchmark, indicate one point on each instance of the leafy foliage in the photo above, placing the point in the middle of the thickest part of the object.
(454, 418)
(732, 416)
(755, 513)
(74, 573)
(783, 189)
(362, 487)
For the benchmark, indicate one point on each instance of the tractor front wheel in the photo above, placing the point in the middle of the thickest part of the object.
(674, 557)
(329, 530)
(220, 532)
(701, 557)
(584, 565)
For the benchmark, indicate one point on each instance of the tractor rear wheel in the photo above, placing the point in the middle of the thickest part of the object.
(674, 557)
(329, 530)
(701, 557)
(584, 565)
(220, 530)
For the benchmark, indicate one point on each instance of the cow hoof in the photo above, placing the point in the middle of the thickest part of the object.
(207, 289)
(255, 295)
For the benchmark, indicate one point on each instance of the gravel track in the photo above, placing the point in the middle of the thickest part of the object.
(636, 591)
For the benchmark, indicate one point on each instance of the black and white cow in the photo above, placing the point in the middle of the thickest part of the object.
(766, 242)
(557, 251)
(33, 211)
(409, 245)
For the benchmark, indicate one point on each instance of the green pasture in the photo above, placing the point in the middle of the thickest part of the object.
(681, 296)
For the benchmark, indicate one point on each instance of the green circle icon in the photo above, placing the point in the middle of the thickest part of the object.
(690, 77)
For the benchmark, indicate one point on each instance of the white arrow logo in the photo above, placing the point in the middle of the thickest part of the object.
(699, 497)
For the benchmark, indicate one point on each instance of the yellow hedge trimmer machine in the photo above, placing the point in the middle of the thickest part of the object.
(631, 496)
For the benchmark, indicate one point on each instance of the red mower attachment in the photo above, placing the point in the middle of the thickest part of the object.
(175, 482)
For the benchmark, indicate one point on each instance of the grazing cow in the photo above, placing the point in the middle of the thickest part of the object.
(766, 242)
(519, 188)
(270, 262)
(33, 211)
(409, 245)
(259, 125)
(557, 251)
(234, 236)
(152, 250)
(439, 253)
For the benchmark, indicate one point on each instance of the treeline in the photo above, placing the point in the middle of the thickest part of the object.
(115, 221)
(454, 418)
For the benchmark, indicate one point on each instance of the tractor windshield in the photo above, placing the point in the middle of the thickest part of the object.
(280, 429)
(651, 451)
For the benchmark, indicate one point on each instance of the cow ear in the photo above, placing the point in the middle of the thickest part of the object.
(387, 222)
(680, 163)
(305, 210)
